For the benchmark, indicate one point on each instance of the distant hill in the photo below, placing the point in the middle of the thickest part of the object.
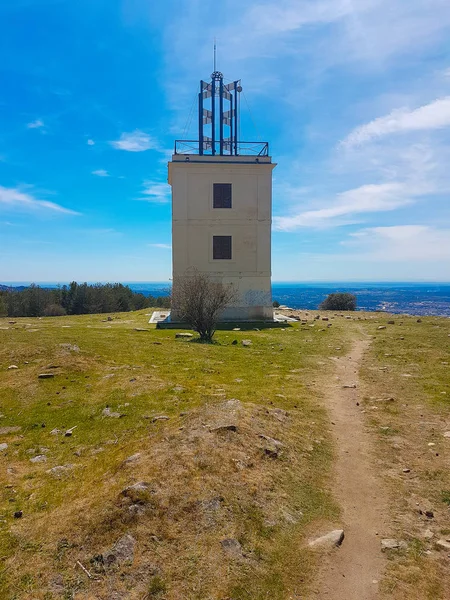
(9, 288)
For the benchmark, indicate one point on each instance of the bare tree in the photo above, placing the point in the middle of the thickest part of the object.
(199, 300)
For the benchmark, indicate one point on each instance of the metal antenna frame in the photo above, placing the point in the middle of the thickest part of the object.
(226, 93)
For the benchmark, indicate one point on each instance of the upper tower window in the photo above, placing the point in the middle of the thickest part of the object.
(222, 195)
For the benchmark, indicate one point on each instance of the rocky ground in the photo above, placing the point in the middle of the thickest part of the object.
(301, 462)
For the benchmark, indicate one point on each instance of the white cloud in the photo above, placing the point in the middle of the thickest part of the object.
(136, 141)
(156, 192)
(90, 143)
(100, 173)
(435, 115)
(418, 243)
(16, 198)
(370, 198)
(164, 246)
(35, 124)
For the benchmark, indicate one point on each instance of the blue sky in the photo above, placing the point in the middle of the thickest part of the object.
(353, 96)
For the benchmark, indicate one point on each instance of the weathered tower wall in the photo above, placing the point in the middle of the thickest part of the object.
(196, 224)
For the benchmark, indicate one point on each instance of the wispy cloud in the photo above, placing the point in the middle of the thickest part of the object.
(435, 115)
(155, 192)
(100, 173)
(15, 198)
(370, 198)
(90, 143)
(35, 124)
(402, 243)
(164, 246)
(135, 141)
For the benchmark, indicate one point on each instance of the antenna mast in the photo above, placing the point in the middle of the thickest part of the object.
(215, 52)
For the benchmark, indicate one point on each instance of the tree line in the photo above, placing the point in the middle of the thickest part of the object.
(74, 299)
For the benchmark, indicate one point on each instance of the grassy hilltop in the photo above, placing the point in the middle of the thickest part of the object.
(232, 448)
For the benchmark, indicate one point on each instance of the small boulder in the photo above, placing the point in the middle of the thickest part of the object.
(59, 471)
(11, 367)
(46, 376)
(3, 447)
(330, 540)
(246, 343)
(70, 347)
(381, 327)
(443, 545)
(134, 458)
(183, 336)
(108, 413)
(39, 458)
(138, 493)
(122, 552)
(232, 547)
(391, 544)
(391, 322)
(224, 428)
(160, 418)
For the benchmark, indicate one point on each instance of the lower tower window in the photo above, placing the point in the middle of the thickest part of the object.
(222, 247)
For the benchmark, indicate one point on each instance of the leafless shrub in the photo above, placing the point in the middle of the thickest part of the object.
(199, 300)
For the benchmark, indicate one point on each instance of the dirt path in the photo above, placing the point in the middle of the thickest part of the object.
(352, 572)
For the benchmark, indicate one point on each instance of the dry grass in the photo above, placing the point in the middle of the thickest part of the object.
(407, 403)
(205, 485)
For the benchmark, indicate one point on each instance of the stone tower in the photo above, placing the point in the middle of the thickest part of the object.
(222, 204)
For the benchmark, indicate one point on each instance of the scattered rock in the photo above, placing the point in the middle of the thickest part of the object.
(246, 343)
(391, 322)
(160, 418)
(447, 434)
(3, 447)
(234, 342)
(381, 327)
(59, 471)
(391, 544)
(232, 547)
(280, 414)
(122, 551)
(108, 413)
(236, 328)
(223, 428)
(419, 321)
(141, 329)
(18, 514)
(406, 471)
(52, 367)
(11, 429)
(349, 386)
(70, 347)
(334, 538)
(428, 534)
(325, 319)
(134, 458)
(55, 431)
(109, 319)
(46, 376)
(39, 458)
(11, 367)
(429, 514)
(184, 335)
(139, 493)
(443, 545)
(272, 448)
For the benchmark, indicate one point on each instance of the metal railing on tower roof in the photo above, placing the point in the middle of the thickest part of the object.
(213, 149)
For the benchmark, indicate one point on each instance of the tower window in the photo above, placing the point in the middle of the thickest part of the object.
(222, 247)
(222, 195)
